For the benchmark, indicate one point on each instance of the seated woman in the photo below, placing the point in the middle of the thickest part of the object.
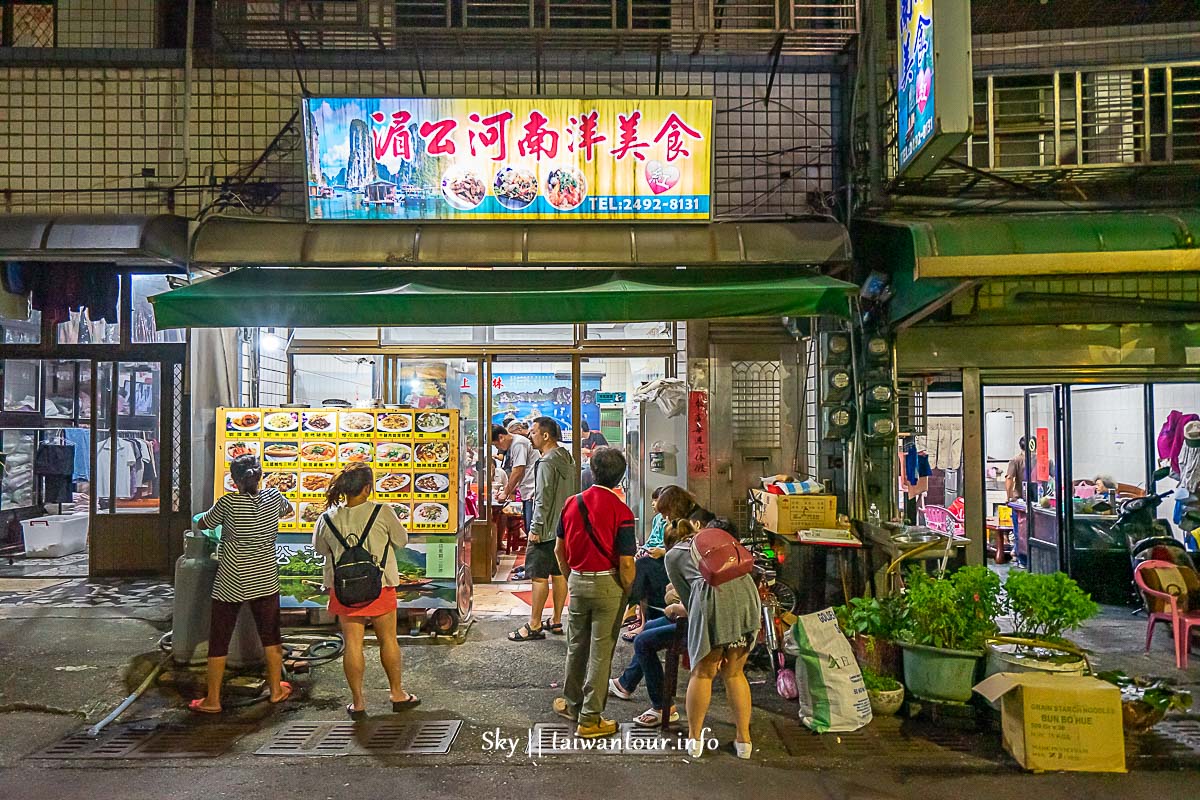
(650, 578)
(655, 636)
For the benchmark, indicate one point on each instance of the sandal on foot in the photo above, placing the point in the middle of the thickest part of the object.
(196, 707)
(287, 693)
(526, 634)
(412, 701)
(618, 691)
(554, 627)
(629, 636)
(560, 707)
(652, 718)
(356, 714)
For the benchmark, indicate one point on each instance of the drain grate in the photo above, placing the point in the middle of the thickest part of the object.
(382, 737)
(554, 739)
(1173, 743)
(143, 742)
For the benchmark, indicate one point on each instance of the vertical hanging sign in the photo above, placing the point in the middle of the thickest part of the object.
(1042, 463)
(697, 422)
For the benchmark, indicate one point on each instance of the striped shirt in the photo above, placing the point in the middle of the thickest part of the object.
(247, 566)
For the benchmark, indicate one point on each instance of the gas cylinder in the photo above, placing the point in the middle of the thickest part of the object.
(195, 572)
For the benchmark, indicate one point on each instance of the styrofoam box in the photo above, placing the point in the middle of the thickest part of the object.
(55, 535)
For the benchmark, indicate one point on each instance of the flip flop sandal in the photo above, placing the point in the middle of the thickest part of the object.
(526, 634)
(629, 636)
(196, 708)
(554, 627)
(355, 714)
(404, 705)
(652, 718)
(286, 687)
(616, 691)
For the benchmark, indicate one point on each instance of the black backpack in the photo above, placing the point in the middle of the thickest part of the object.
(357, 576)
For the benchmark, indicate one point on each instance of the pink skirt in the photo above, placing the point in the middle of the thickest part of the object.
(384, 604)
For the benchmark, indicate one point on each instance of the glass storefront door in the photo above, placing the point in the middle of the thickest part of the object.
(1044, 537)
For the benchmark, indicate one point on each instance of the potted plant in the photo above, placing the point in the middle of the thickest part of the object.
(873, 626)
(1145, 701)
(1041, 609)
(950, 619)
(887, 694)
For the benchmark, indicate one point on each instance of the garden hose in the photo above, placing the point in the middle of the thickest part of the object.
(893, 569)
(1021, 641)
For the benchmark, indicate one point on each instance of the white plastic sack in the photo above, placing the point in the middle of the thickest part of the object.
(832, 694)
(669, 394)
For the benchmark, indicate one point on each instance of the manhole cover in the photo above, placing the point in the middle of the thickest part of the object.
(133, 741)
(382, 737)
(552, 738)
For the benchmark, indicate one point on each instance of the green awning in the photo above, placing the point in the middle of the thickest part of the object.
(339, 297)
(931, 259)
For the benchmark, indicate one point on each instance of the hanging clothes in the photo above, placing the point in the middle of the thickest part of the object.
(1170, 437)
(123, 471)
(55, 465)
(81, 438)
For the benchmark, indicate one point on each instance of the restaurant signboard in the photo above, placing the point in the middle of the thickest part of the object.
(380, 159)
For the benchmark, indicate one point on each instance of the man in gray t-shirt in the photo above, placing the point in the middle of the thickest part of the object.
(521, 457)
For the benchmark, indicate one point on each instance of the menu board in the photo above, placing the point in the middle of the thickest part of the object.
(413, 452)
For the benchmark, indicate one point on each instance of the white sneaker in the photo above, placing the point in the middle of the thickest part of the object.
(695, 747)
(743, 749)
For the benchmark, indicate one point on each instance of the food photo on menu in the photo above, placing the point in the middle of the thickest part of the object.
(283, 481)
(242, 420)
(319, 421)
(432, 483)
(282, 421)
(318, 451)
(315, 481)
(235, 449)
(393, 482)
(356, 422)
(394, 422)
(433, 452)
(281, 451)
(393, 453)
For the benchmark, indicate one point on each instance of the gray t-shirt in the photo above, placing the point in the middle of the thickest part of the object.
(522, 454)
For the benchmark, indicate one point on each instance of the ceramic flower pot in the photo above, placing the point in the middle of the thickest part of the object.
(885, 703)
(941, 676)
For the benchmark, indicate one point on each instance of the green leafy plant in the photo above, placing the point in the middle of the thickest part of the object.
(1044, 606)
(957, 612)
(884, 618)
(879, 683)
(1155, 692)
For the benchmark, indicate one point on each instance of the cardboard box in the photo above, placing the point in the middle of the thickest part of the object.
(1059, 722)
(788, 513)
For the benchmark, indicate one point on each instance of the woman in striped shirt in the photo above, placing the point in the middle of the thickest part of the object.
(246, 573)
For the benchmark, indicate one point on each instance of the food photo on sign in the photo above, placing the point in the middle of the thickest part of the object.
(539, 159)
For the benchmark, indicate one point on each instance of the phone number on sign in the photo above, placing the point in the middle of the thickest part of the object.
(668, 204)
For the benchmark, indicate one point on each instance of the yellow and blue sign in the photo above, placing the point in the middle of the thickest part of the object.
(506, 159)
(915, 91)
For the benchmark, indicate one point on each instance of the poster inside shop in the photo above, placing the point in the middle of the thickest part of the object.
(525, 396)
(414, 454)
(508, 159)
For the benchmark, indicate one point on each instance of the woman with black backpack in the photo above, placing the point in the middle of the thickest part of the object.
(356, 537)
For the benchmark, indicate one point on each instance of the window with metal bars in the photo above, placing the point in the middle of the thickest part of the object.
(28, 24)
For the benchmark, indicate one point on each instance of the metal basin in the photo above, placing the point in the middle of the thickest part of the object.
(915, 538)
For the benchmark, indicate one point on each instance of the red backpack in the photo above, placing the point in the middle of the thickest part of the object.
(721, 557)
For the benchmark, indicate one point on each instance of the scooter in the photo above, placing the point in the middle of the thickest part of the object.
(1147, 536)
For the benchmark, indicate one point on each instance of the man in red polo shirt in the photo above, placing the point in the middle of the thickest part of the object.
(595, 550)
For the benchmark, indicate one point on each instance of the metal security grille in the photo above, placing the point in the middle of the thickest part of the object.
(102, 139)
(384, 737)
(176, 436)
(756, 403)
(912, 406)
(32, 25)
(813, 27)
(272, 371)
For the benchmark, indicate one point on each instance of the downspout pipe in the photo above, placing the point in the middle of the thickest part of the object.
(186, 137)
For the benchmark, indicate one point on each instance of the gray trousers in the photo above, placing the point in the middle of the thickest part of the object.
(593, 622)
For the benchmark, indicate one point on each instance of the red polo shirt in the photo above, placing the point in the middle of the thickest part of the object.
(612, 525)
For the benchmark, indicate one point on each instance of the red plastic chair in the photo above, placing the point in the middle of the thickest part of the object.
(1181, 621)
